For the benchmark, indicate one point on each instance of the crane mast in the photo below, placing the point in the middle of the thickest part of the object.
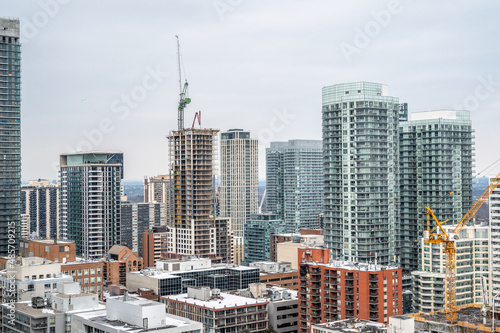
(448, 239)
(183, 99)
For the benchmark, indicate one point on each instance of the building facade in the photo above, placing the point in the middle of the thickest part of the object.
(219, 312)
(90, 201)
(361, 171)
(192, 153)
(136, 218)
(494, 210)
(154, 243)
(332, 290)
(472, 265)
(239, 178)
(258, 231)
(40, 201)
(10, 134)
(436, 161)
(294, 182)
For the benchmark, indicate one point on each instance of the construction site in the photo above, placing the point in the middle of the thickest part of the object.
(470, 318)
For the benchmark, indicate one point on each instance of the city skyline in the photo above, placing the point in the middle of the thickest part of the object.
(252, 59)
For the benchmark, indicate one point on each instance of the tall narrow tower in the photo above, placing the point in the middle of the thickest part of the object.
(192, 153)
(10, 134)
(361, 170)
(90, 194)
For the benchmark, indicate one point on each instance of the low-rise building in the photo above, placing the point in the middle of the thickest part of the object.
(119, 261)
(174, 276)
(278, 274)
(29, 278)
(307, 237)
(219, 312)
(88, 273)
(154, 243)
(51, 249)
(132, 314)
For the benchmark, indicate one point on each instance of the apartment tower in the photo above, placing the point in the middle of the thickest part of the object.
(436, 161)
(361, 170)
(294, 182)
(239, 178)
(90, 188)
(192, 153)
(40, 202)
(10, 134)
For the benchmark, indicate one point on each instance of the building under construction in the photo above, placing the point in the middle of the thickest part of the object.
(470, 319)
(192, 154)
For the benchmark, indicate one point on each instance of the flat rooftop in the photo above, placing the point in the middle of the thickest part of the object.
(217, 303)
(469, 317)
(348, 265)
(353, 325)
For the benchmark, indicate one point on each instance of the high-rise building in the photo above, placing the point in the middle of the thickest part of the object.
(361, 171)
(239, 178)
(436, 161)
(90, 189)
(472, 264)
(154, 243)
(136, 218)
(258, 231)
(40, 201)
(10, 134)
(330, 290)
(294, 182)
(192, 153)
(494, 210)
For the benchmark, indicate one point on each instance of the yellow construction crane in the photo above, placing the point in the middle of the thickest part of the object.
(448, 239)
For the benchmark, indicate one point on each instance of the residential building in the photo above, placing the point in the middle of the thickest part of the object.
(132, 314)
(119, 261)
(10, 136)
(136, 218)
(88, 274)
(31, 277)
(90, 201)
(219, 312)
(154, 243)
(278, 274)
(171, 277)
(309, 237)
(224, 241)
(49, 249)
(239, 190)
(239, 250)
(283, 305)
(40, 200)
(191, 154)
(294, 182)
(436, 161)
(258, 231)
(158, 189)
(330, 290)
(494, 210)
(472, 264)
(361, 171)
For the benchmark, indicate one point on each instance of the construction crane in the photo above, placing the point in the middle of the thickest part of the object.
(183, 99)
(448, 239)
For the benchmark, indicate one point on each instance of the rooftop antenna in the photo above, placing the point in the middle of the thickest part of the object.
(183, 100)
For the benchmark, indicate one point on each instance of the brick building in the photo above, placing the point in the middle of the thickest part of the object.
(49, 249)
(154, 243)
(332, 290)
(119, 261)
(89, 274)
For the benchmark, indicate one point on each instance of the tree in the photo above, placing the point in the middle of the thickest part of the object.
(270, 329)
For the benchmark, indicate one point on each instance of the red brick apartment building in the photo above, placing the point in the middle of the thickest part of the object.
(335, 290)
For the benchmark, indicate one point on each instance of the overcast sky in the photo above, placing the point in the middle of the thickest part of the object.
(107, 69)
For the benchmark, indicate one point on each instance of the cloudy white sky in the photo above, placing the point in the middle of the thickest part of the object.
(258, 65)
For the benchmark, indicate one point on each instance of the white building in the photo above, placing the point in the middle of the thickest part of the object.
(32, 277)
(239, 178)
(132, 314)
(472, 262)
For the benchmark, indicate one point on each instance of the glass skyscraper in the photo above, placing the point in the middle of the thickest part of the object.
(361, 171)
(294, 182)
(10, 133)
(436, 160)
